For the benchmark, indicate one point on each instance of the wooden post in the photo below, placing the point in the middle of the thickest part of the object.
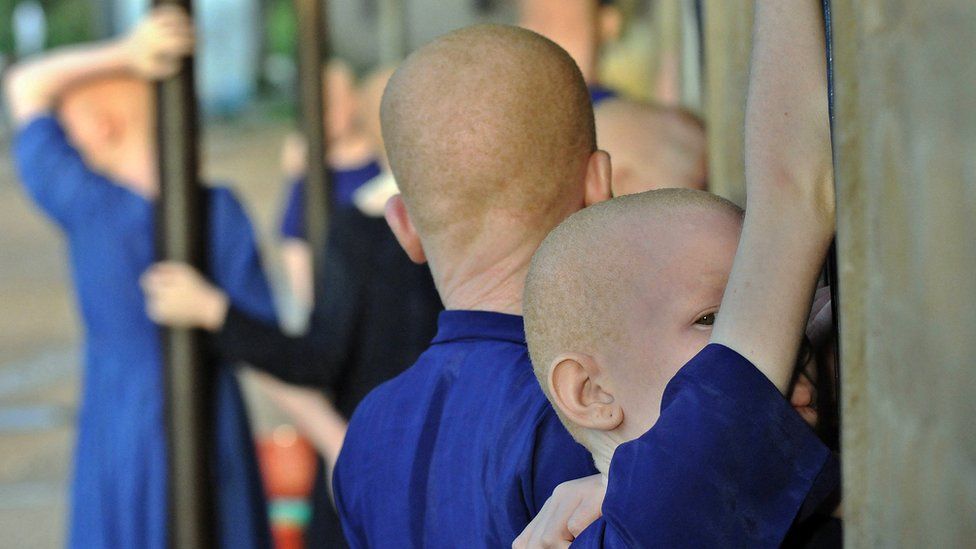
(318, 189)
(728, 43)
(904, 132)
(181, 236)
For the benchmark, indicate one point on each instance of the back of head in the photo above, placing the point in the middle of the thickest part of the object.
(489, 130)
(591, 269)
(652, 147)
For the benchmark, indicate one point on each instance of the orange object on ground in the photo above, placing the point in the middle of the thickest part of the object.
(288, 466)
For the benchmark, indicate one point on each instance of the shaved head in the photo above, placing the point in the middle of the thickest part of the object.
(624, 281)
(489, 130)
(652, 147)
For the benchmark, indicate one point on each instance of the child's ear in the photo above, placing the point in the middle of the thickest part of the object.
(598, 178)
(578, 393)
(399, 221)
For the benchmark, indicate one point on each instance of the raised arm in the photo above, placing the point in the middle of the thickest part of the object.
(153, 50)
(789, 218)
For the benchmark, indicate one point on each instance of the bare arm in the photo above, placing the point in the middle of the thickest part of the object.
(312, 413)
(153, 50)
(790, 211)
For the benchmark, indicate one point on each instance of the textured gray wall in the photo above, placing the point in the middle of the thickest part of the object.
(905, 149)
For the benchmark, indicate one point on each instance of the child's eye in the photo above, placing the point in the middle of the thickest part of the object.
(706, 320)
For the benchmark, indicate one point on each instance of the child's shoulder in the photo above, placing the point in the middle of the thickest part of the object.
(43, 135)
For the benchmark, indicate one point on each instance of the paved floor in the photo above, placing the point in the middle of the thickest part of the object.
(39, 372)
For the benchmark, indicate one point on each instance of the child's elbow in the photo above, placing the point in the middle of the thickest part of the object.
(16, 88)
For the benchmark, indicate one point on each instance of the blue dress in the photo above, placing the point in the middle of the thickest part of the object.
(119, 484)
(344, 185)
(461, 450)
(728, 464)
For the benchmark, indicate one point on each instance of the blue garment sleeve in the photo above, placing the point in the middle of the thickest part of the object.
(293, 217)
(236, 263)
(55, 175)
(728, 464)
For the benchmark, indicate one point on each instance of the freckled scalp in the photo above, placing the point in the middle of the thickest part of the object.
(584, 272)
(485, 124)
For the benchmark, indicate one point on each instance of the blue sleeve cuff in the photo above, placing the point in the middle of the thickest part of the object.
(293, 217)
(729, 462)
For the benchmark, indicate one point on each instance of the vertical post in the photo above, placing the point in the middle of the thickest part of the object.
(728, 43)
(181, 227)
(906, 181)
(828, 379)
(318, 190)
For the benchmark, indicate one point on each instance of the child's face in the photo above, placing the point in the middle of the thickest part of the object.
(676, 291)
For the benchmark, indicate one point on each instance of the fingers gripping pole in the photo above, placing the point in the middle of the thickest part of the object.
(318, 189)
(181, 226)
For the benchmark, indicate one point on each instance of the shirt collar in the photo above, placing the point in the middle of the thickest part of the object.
(455, 325)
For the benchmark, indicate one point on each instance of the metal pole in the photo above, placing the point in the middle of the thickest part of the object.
(829, 380)
(181, 226)
(318, 188)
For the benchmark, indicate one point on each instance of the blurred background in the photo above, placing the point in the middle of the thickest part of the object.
(246, 78)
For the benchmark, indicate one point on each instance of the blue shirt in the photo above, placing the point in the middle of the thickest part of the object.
(119, 485)
(599, 94)
(344, 185)
(728, 464)
(461, 450)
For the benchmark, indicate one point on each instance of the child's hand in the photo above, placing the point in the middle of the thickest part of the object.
(571, 508)
(159, 42)
(178, 296)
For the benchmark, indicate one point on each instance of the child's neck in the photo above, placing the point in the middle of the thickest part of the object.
(602, 449)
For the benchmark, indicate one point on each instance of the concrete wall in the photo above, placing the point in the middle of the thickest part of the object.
(728, 42)
(905, 150)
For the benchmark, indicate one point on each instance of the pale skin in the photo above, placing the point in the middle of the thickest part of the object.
(154, 50)
(653, 147)
(581, 27)
(784, 240)
(484, 269)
